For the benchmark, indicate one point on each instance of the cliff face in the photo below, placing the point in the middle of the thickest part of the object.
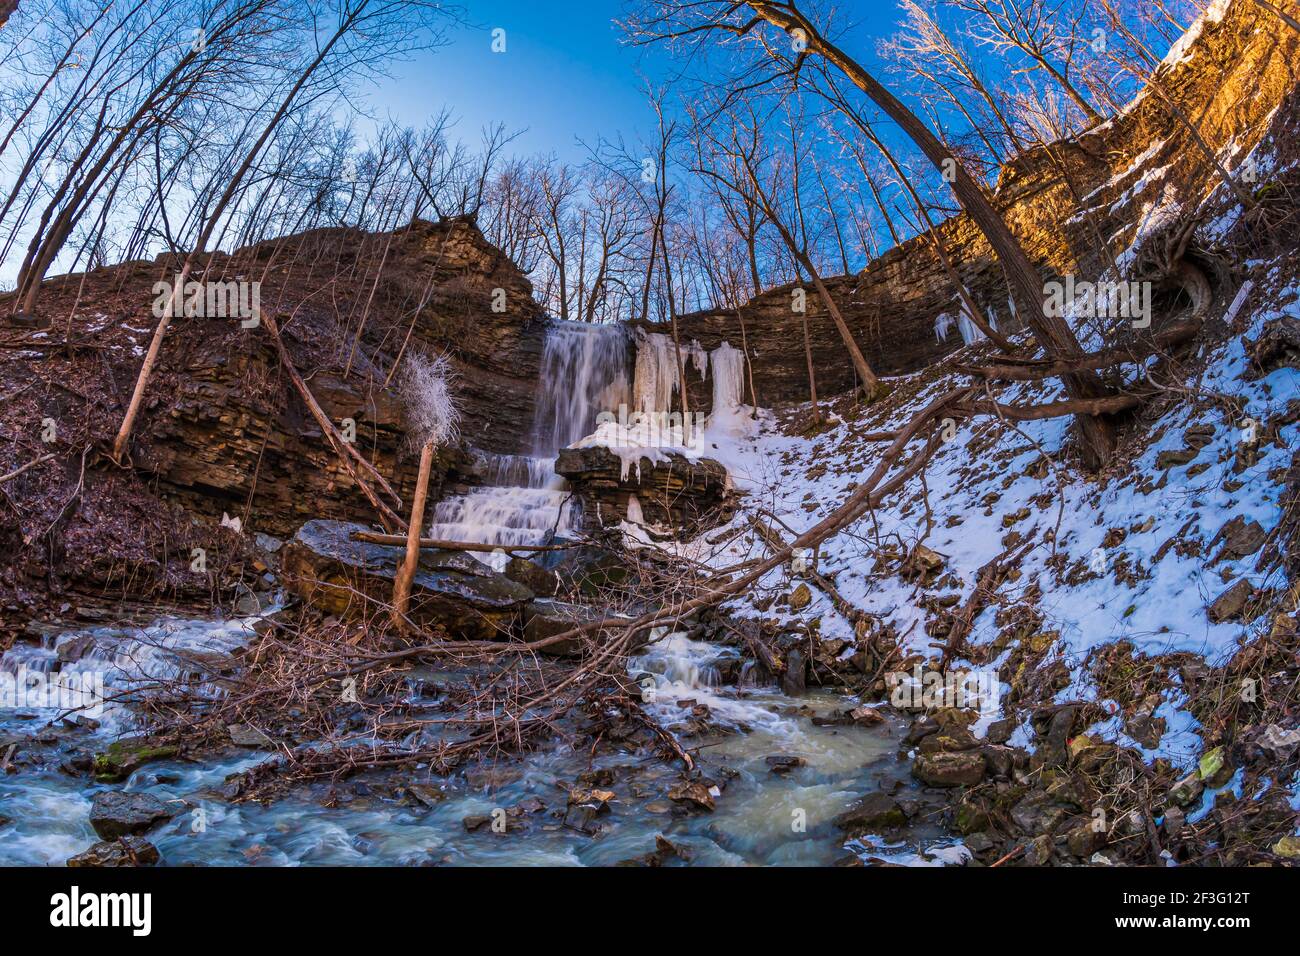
(213, 437)
(222, 428)
(1235, 69)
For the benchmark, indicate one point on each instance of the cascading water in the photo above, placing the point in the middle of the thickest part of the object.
(584, 372)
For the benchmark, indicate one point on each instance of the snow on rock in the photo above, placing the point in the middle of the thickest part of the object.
(1131, 557)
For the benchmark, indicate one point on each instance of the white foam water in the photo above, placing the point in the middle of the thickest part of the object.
(584, 372)
(523, 501)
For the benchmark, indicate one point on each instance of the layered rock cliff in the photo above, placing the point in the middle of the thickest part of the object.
(1227, 77)
(223, 430)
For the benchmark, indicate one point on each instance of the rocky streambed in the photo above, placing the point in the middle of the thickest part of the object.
(778, 779)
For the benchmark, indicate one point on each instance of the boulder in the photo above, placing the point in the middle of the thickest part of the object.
(114, 813)
(968, 818)
(1039, 852)
(1231, 604)
(584, 569)
(128, 851)
(1084, 840)
(874, 813)
(795, 679)
(782, 764)
(948, 740)
(865, 716)
(949, 769)
(123, 757)
(328, 570)
(694, 794)
(246, 735)
(689, 495)
(1240, 538)
(1000, 731)
(545, 618)
(1038, 813)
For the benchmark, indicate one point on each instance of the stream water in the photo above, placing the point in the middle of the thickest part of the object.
(761, 817)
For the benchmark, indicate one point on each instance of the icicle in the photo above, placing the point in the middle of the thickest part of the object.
(728, 378)
(655, 378)
(699, 358)
(942, 327)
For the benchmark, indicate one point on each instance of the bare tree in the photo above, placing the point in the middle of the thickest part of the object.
(925, 50)
(665, 20)
(364, 32)
(1045, 32)
(433, 421)
(743, 149)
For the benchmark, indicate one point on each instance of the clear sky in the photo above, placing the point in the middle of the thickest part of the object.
(565, 74)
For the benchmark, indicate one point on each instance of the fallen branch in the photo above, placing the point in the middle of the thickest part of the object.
(987, 581)
(346, 453)
(31, 464)
(1071, 406)
(374, 537)
(1037, 369)
(775, 542)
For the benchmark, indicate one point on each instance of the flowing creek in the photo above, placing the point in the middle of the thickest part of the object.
(762, 816)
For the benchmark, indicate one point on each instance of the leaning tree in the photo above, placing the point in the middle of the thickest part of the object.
(784, 56)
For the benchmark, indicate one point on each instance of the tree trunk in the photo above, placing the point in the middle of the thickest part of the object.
(406, 573)
(205, 234)
(1052, 332)
(1284, 17)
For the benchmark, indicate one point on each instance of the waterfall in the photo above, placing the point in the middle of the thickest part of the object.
(584, 372)
(522, 500)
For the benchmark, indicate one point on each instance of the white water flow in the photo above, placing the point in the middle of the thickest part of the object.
(44, 810)
(584, 372)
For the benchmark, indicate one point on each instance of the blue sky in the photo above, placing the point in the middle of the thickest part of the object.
(565, 74)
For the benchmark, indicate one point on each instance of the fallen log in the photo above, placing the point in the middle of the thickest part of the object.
(751, 632)
(1037, 369)
(374, 537)
(1035, 413)
(346, 453)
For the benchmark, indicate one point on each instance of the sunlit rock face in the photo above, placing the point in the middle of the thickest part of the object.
(1231, 77)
